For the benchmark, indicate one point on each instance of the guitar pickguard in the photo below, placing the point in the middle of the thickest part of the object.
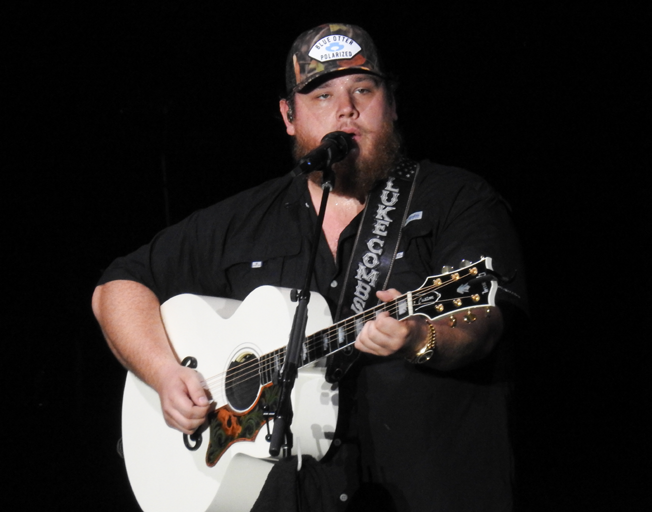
(228, 427)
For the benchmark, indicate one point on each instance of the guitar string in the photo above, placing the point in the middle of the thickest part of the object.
(254, 370)
(350, 325)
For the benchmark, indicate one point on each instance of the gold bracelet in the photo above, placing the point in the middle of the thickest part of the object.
(427, 351)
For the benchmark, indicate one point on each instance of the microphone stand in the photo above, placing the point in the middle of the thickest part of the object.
(282, 432)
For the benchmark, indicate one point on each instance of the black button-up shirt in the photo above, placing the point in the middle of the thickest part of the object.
(430, 440)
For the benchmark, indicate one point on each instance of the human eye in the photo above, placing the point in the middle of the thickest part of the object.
(366, 87)
(320, 94)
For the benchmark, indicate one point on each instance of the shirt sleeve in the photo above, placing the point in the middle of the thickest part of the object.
(455, 216)
(194, 256)
(184, 258)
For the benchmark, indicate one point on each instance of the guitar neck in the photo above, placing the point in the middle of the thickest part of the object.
(344, 333)
(332, 339)
(465, 288)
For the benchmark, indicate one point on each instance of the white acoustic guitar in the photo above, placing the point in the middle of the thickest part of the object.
(238, 349)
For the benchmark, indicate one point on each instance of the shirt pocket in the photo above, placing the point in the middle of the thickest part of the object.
(267, 264)
(413, 262)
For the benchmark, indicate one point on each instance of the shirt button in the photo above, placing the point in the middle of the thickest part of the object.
(333, 284)
(343, 497)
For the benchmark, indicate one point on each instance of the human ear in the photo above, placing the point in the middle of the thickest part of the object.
(285, 112)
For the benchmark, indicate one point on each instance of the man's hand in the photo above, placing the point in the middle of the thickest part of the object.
(183, 398)
(130, 317)
(386, 336)
(458, 343)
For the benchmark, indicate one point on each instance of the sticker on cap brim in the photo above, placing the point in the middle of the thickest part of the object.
(334, 47)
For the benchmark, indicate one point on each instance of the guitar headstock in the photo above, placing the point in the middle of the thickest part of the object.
(467, 287)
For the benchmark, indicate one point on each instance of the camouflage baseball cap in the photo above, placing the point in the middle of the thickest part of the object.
(327, 49)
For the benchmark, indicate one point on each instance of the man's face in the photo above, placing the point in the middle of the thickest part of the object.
(356, 104)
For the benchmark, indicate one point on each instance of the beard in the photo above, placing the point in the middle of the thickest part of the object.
(356, 175)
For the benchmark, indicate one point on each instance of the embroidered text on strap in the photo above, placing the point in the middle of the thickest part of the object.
(377, 240)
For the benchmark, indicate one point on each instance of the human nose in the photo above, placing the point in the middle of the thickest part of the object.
(347, 107)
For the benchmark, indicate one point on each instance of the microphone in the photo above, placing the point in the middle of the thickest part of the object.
(333, 148)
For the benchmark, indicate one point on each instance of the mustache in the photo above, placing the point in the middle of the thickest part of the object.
(364, 166)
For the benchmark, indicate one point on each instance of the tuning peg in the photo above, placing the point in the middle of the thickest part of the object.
(469, 318)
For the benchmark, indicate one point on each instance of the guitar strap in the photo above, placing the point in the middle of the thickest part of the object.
(374, 252)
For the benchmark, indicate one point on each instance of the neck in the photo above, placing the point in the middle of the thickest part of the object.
(339, 204)
(345, 186)
(340, 211)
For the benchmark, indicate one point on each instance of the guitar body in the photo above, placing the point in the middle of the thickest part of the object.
(238, 348)
(229, 468)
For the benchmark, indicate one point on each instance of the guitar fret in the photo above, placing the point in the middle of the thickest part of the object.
(276, 367)
(341, 335)
(402, 307)
(304, 352)
(270, 364)
(325, 345)
(315, 349)
(265, 374)
(352, 328)
(359, 324)
(332, 338)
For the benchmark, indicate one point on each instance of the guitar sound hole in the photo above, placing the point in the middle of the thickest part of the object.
(243, 382)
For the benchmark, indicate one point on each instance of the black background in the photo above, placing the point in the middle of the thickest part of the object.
(124, 117)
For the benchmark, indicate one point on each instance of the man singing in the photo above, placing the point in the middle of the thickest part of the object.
(425, 400)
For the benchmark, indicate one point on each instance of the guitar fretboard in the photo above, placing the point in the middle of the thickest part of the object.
(465, 288)
(332, 339)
